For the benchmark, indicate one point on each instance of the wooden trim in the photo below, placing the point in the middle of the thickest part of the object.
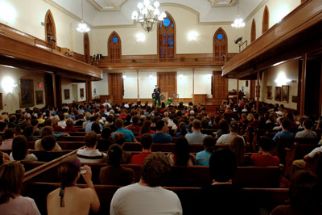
(50, 29)
(45, 167)
(253, 31)
(265, 20)
(87, 49)
(298, 22)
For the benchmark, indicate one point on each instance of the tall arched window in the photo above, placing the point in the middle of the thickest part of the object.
(50, 29)
(114, 46)
(253, 31)
(86, 48)
(220, 44)
(265, 23)
(167, 37)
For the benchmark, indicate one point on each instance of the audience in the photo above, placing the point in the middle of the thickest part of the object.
(161, 135)
(181, 155)
(128, 135)
(11, 201)
(147, 196)
(70, 199)
(20, 150)
(264, 156)
(114, 173)
(307, 132)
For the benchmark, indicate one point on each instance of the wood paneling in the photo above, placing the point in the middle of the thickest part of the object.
(167, 82)
(87, 55)
(220, 88)
(50, 30)
(115, 87)
(285, 40)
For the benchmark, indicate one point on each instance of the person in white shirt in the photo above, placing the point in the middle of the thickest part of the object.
(196, 137)
(147, 196)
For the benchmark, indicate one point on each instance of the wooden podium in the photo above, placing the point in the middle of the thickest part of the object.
(200, 99)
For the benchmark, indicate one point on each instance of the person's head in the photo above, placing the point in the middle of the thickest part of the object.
(146, 141)
(222, 165)
(146, 127)
(46, 131)
(181, 152)
(223, 125)
(106, 133)
(91, 139)
(48, 142)
(304, 192)
(28, 131)
(162, 125)
(196, 125)
(11, 176)
(68, 171)
(233, 127)
(135, 120)
(266, 144)
(118, 123)
(69, 122)
(19, 147)
(8, 133)
(96, 127)
(286, 123)
(209, 143)
(308, 124)
(155, 169)
(115, 155)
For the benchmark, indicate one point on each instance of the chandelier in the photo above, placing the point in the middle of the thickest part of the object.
(238, 23)
(148, 14)
(82, 27)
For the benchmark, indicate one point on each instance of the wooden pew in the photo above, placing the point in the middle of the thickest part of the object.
(170, 147)
(191, 197)
(72, 138)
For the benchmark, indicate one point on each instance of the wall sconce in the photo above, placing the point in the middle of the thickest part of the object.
(281, 79)
(8, 84)
(192, 36)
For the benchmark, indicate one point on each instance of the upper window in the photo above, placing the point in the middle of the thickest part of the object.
(114, 46)
(253, 31)
(86, 48)
(50, 29)
(265, 23)
(220, 44)
(166, 37)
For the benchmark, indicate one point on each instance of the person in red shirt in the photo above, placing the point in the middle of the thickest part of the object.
(146, 141)
(264, 157)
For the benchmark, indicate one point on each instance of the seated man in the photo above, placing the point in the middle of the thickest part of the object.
(147, 196)
(89, 154)
(202, 157)
(307, 132)
(146, 141)
(196, 137)
(128, 135)
(264, 156)
(161, 135)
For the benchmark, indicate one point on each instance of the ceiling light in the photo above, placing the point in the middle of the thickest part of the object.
(238, 23)
(82, 27)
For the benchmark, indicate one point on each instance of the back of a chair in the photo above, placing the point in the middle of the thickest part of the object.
(253, 176)
(163, 147)
(132, 146)
(189, 176)
(48, 156)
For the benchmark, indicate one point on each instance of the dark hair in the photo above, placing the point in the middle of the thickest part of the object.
(11, 176)
(308, 124)
(222, 165)
(3, 125)
(19, 147)
(47, 130)
(8, 133)
(159, 125)
(155, 169)
(68, 172)
(135, 120)
(96, 127)
(28, 131)
(182, 154)
(146, 127)
(234, 126)
(115, 154)
(286, 123)
(90, 139)
(209, 143)
(146, 141)
(305, 192)
(106, 133)
(118, 123)
(266, 143)
(48, 142)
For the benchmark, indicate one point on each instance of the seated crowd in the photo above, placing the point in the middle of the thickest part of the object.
(235, 135)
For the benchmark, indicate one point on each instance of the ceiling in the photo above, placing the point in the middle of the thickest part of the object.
(118, 12)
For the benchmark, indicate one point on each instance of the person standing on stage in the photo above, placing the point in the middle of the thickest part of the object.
(156, 95)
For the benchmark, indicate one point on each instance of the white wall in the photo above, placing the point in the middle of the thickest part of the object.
(290, 70)
(147, 82)
(74, 91)
(130, 81)
(11, 101)
(185, 83)
(202, 82)
(101, 87)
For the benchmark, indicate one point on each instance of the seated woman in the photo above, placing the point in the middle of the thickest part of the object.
(114, 173)
(105, 140)
(202, 157)
(11, 201)
(20, 150)
(181, 155)
(7, 139)
(70, 199)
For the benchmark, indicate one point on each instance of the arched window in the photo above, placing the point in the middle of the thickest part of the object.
(265, 23)
(167, 37)
(220, 44)
(50, 29)
(114, 46)
(86, 48)
(253, 31)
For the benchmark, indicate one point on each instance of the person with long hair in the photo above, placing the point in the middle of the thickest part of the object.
(181, 155)
(70, 199)
(11, 201)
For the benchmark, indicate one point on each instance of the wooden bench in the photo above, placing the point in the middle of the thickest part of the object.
(170, 147)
